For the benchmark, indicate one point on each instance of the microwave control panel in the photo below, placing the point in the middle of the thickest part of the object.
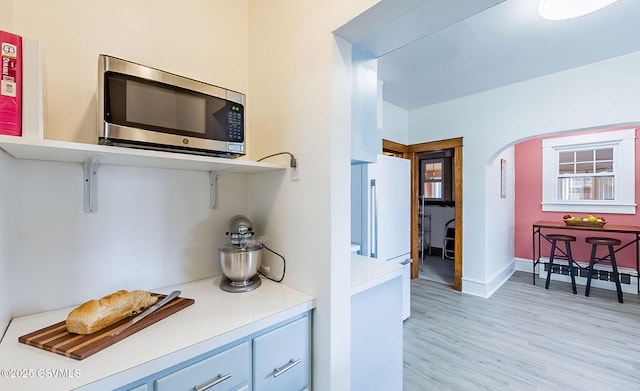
(235, 130)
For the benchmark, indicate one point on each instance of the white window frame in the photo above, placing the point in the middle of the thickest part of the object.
(624, 161)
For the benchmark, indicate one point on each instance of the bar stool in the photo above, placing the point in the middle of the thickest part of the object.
(609, 242)
(567, 239)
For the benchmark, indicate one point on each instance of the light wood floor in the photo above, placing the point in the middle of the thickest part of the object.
(522, 338)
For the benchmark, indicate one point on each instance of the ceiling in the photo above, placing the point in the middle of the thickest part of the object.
(431, 51)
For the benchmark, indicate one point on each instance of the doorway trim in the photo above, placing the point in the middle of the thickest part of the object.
(412, 153)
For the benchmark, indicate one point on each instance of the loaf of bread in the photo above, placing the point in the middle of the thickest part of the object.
(94, 315)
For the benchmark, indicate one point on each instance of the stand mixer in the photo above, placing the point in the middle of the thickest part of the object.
(240, 258)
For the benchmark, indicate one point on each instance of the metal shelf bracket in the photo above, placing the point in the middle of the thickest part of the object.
(213, 182)
(91, 183)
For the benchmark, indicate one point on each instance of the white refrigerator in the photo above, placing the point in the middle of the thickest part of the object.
(381, 214)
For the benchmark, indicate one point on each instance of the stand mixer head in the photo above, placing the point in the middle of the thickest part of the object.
(240, 230)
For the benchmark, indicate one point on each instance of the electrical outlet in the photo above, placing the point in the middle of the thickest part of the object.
(265, 270)
(295, 171)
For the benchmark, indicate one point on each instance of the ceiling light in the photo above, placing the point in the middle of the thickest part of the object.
(567, 9)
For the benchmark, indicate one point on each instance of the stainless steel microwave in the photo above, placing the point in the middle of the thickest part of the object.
(143, 107)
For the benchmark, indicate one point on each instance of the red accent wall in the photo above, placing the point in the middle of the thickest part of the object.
(528, 209)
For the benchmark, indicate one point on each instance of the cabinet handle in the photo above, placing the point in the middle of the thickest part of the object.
(292, 363)
(219, 379)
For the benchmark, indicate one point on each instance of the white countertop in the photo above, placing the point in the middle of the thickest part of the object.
(369, 272)
(215, 319)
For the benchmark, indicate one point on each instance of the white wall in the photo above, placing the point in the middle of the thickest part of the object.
(395, 123)
(283, 55)
(183, 38)
(440, 215)
(180, 234)
(299, 96)
(153, 228)
(500, 224)
(5, 239)
(6, 16)
(5, 202)
(599, 94)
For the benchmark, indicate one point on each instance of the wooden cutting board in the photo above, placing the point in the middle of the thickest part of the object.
(57, 339)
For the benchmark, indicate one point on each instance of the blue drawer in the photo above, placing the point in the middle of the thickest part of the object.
(281, 358)
(230, 368)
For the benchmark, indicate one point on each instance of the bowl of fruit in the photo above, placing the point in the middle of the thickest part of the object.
(589, 221)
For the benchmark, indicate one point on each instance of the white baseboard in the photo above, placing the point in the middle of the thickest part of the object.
(487, 288)
(525, 265)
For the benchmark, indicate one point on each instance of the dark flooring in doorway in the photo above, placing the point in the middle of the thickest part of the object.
(436, 269)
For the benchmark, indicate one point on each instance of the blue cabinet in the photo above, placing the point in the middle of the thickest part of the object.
(275, 358)
(376, 337)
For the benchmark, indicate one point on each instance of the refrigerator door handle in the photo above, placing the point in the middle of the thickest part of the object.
(374, 219)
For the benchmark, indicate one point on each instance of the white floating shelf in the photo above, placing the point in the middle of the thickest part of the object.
(64, 151)
(91, 156)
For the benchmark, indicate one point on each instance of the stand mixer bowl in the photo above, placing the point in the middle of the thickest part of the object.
(240, 263)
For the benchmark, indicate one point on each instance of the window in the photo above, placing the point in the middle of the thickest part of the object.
(586, 174)
(436, 177)
(432, 185)
(590, 173)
